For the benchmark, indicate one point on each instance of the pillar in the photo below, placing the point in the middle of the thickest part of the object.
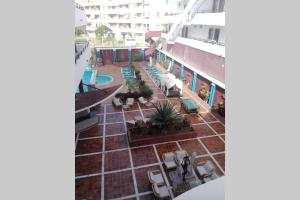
(212, 94)
(181, 71)
(129, 55)
(114, 55)
(194, 82)
(81, 90)
(143, 54)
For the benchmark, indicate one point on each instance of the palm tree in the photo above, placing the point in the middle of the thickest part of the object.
(78, 31)
(102, 31)
(164, 115)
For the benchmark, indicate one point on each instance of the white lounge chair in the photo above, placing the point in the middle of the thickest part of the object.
(179, 155)
(142, 100)
(154, 100)
(160, 191)
(116, 102)
(207, 171)
(155, 177)
(129, 101)
(169, 160)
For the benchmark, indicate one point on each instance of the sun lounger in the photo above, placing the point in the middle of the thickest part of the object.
(207, 171)
(179, 155)
(116, 102)
(155, 177)
(169, 160)
(142, 100)
(189, 105)
(129, 101)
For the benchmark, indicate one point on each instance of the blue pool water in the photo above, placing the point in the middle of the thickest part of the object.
(87, 76)
(103, 79)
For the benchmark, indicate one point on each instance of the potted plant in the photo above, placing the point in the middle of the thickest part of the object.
(204, 94)
(131, 85)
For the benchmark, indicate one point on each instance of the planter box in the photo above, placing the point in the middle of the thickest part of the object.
(180, 135)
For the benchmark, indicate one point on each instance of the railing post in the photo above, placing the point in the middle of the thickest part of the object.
(143, 54)
(129, 55)
(212, 94)
(194, 82)
(114, 56)
(181, 71)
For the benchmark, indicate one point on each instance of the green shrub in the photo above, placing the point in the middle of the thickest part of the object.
(146, 91)
(185, 122)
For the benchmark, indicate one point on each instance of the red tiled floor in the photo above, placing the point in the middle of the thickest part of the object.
(116, 128)
(194, 118)
(116, 142)
(161, 96)
(118, 185)
(147, 197)
(163, 148)
(133, 107)
(214, 144)
(203, 130)
(223, 136)
(218, 127)
(205, 158)
(112, 109)
(88, 188)
(208, 117)
(116, 117)
(85, 165)
(148, 113)
(142, 178)
(143, 156)
(98, 109)
(221, 160)
(116, 160)
(93, 132)
(175, 101)
(132, 115)
(89, 146)
(150, 106)
(192, 146)
(101, 119)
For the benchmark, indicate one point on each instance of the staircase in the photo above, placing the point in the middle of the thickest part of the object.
(186, 15)
(152, 37)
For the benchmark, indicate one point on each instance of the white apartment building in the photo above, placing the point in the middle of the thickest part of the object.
(130, 18)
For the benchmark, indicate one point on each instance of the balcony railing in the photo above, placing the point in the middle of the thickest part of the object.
(206, 40)
(80, 52)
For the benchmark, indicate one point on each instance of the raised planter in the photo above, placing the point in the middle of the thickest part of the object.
(158, 138)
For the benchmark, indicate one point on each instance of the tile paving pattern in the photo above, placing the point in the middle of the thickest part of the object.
(111, 169)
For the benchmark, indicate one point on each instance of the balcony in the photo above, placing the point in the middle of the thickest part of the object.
(211, 19)
(210, 47)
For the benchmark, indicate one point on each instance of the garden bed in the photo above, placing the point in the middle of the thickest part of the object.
(158, 136)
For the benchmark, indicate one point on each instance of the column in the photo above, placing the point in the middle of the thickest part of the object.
(212, 94)
(143, 54)
(129, 55)
(194, 82)
(114, 56)
(181, 71)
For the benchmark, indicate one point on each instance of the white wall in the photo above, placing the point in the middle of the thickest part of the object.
(80, 18)
(206, 6)
(222, 35)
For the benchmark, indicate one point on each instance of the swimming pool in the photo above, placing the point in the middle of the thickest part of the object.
(103, 79)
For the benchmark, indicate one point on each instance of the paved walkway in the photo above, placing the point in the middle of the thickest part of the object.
(107, 168)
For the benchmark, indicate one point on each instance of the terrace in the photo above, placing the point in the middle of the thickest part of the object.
(108, 168)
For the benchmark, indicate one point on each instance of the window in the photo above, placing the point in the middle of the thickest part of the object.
(210, 33)
(218, 5)
(213, 34)
(216, 34)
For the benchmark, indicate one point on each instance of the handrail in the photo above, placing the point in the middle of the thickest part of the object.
(79, 53)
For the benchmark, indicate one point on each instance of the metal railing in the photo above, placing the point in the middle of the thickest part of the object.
(79, 53)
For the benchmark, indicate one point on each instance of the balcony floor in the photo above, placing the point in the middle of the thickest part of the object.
(107, 168)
